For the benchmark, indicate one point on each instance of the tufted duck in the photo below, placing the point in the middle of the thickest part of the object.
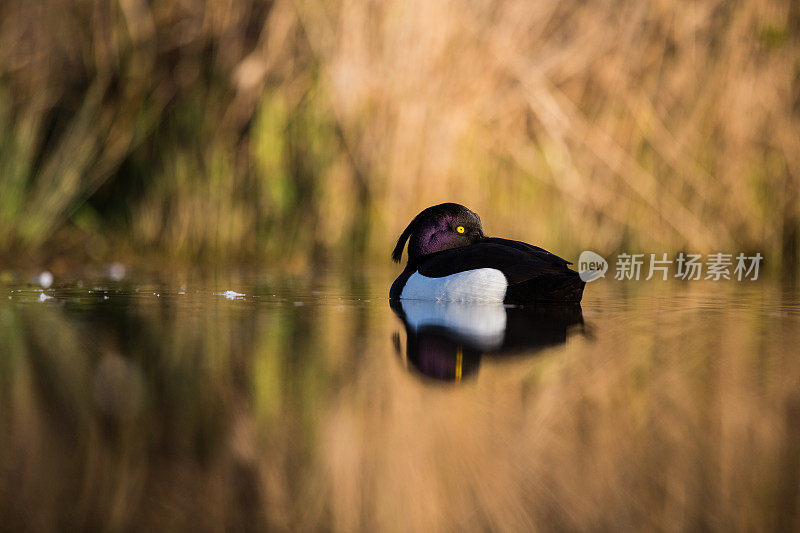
(450, 259)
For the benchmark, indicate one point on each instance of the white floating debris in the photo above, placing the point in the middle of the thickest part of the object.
(117, 271)
(43, 297)
(231, 295)
(45, 279)
(298, 304)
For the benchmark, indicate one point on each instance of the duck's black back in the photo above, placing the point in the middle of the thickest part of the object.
(533, 274)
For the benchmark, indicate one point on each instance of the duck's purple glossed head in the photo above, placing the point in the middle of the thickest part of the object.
(438, 228)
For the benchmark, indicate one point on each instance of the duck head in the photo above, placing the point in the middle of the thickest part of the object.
(438, 228)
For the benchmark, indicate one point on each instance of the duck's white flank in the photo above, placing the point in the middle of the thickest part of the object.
(479, 285)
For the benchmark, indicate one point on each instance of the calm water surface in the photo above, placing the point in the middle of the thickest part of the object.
(271, 402)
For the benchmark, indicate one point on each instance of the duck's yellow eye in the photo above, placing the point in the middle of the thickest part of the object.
(460, 229)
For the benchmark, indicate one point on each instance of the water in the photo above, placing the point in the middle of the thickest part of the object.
(268, 401)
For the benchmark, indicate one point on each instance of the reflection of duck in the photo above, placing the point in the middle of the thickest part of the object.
(449, 258)
(446, 340)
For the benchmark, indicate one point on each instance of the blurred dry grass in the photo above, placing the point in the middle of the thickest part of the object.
(680, 413)
(289, 129)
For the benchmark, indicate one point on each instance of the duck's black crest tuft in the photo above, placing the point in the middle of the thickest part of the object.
(397, 254)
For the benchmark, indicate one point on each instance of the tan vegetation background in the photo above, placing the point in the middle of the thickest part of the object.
(296, 130)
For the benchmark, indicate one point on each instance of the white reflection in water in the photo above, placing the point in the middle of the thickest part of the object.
(446, 340)
(483, 324)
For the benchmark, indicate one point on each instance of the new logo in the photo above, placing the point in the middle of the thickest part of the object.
(591, 266)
